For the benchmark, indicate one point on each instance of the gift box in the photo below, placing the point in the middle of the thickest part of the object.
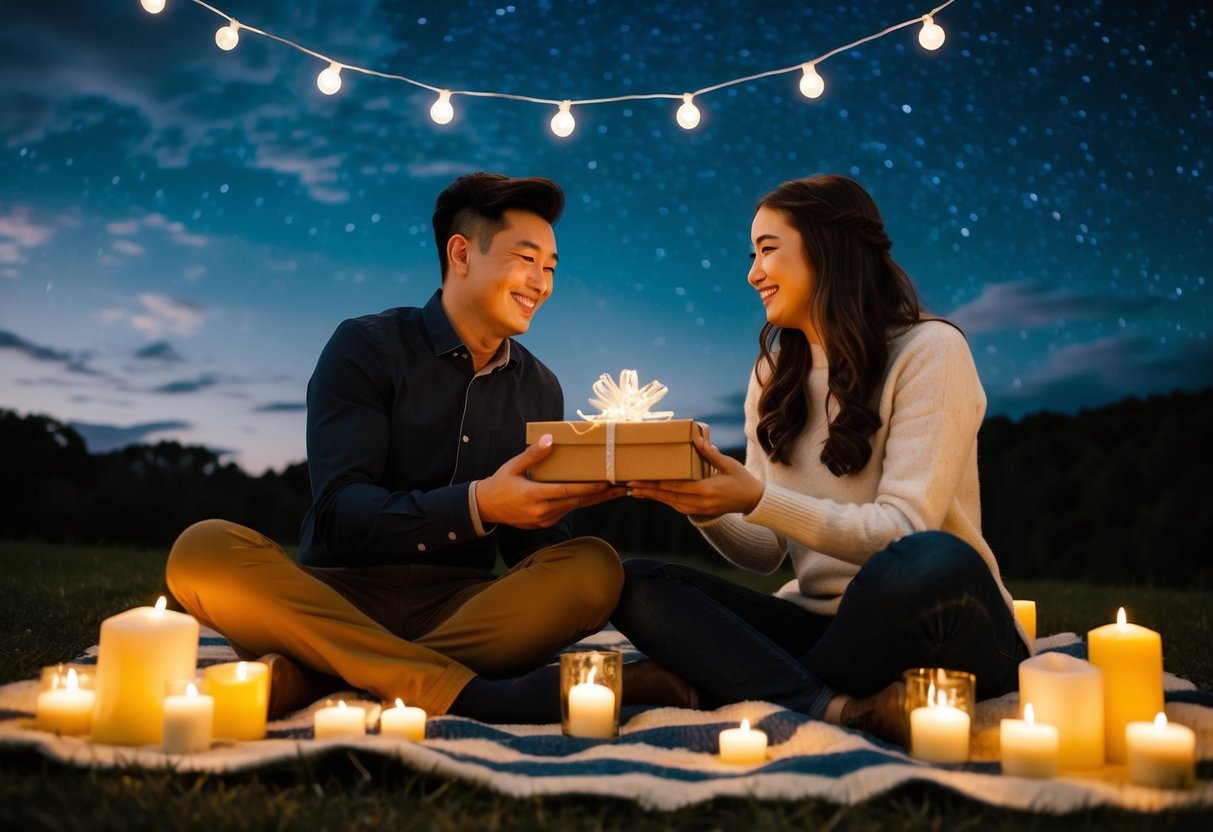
(582, 451)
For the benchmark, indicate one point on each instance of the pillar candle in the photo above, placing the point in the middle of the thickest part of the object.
(592, 710)
(743, 746)
(66, 708)
(1068, 693)
(188, 718)
(241, 694)
(1028, 748)
(402, 721)
(1025, 614)
(139, 653)
(340, 720)
(939, 733)
(1130, 657)
(1160, 754)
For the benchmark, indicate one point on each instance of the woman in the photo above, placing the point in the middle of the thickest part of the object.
(861, 463)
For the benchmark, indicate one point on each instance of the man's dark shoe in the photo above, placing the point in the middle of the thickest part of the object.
(882, 715)
(647, 683)
(294, 686)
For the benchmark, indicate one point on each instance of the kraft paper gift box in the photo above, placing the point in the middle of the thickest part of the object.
(658, 450)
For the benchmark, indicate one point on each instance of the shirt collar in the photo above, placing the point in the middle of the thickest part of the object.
(444, 338)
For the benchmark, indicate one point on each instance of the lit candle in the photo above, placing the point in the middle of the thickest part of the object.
(1029, 749)
(1025, 614)
(402, 721)
(592, 709)
(1130, 657)
(340, 720)
(743, 746)
(1068, 693)
(187, 721)
(939, 733)
(1161, 754)
(241, 693)
(139, 653)
(66, 708)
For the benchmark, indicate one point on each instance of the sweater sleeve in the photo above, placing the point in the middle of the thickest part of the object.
(933, 417)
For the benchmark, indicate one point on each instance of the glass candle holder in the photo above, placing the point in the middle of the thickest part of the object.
(65, 699)
(940, 705)
(958, 687)
(591, 689)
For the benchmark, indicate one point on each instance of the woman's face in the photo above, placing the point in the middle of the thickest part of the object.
(780, 273)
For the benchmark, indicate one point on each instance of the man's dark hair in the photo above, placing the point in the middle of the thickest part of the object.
(474, 205)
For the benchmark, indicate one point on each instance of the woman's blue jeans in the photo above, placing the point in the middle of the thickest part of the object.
(927, 600)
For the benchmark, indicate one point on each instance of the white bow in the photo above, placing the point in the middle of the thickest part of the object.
(627, 401)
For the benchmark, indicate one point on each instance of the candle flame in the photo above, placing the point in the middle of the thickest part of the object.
(941, 699)
(72, 682)
(399, 702)
(1160, 721)
(161, 603)
(589, 680)
(1120, 617)
(242, 671)
(931, 694)
(745, 725)
(341, 703)
(1029, 715)
(191, 690)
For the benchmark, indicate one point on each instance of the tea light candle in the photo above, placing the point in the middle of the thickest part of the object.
(1161, 754)
(743, 746)
(188, 718)
(66, 708)
(1029, 749)
(1025, 614)
(939, 733)
(140, 651)
(241, 693)
(1130, 657)
(592, 709)
(340, 720)
(402, 721)
(1068, 693)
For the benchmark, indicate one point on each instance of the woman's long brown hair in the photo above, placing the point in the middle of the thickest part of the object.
(859, 295)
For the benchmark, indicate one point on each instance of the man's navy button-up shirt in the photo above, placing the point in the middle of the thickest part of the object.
(398, 426)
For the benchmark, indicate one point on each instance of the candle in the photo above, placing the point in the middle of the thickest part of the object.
(66, 707)
(401, 721)
(939, 733)
(592, 709)
(743, 746)
(188, 718)
(139, 653)
(1025, 614)
(1068, 693)
(1130, 657)
(241, 693)
(1160, 754)
(1029, 749)
(340, 720)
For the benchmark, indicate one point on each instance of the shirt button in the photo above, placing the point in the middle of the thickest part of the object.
(466, 440)
(451, 535)
(420, 547)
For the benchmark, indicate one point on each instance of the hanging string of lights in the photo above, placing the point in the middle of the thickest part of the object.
(931, 36)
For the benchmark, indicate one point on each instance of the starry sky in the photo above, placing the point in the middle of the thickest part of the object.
(181, 228)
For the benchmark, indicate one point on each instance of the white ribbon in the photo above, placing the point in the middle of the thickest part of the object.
(626, 401)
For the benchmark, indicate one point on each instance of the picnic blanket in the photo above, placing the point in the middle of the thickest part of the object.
(664, 758)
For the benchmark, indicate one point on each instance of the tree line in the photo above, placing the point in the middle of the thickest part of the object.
(1120, 494)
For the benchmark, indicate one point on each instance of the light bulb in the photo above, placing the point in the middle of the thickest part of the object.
(811, 84)
(563, 122)
(152, 6)
(931, 36)
(688, 113)
(442, 112)
(228, 36)
(329, 80)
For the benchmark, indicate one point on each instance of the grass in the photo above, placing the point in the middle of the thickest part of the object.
(55, 597)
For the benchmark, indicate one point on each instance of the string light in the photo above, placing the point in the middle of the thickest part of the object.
(931, 37)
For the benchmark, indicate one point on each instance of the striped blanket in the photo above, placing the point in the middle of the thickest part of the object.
(664, 758)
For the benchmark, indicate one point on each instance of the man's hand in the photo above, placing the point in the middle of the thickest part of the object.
(731, 488)
(509, 497)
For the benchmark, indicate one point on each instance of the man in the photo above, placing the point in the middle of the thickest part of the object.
(417, 458)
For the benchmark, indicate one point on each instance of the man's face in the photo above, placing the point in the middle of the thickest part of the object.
(513, 277)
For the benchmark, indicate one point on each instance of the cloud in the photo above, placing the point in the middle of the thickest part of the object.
(159, 315)
(121, 231)
(161, 351)
(104, 438)
(202, 382)
(73, 362)
(1031, 305)
(281, 407)
(19, 233)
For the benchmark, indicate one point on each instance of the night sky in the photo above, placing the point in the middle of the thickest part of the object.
(181, 228)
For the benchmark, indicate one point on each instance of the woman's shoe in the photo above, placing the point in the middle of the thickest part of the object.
(294, 686)
(647, 683)
(882, 715)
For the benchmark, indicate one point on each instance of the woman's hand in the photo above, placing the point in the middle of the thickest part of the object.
(732, 488)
